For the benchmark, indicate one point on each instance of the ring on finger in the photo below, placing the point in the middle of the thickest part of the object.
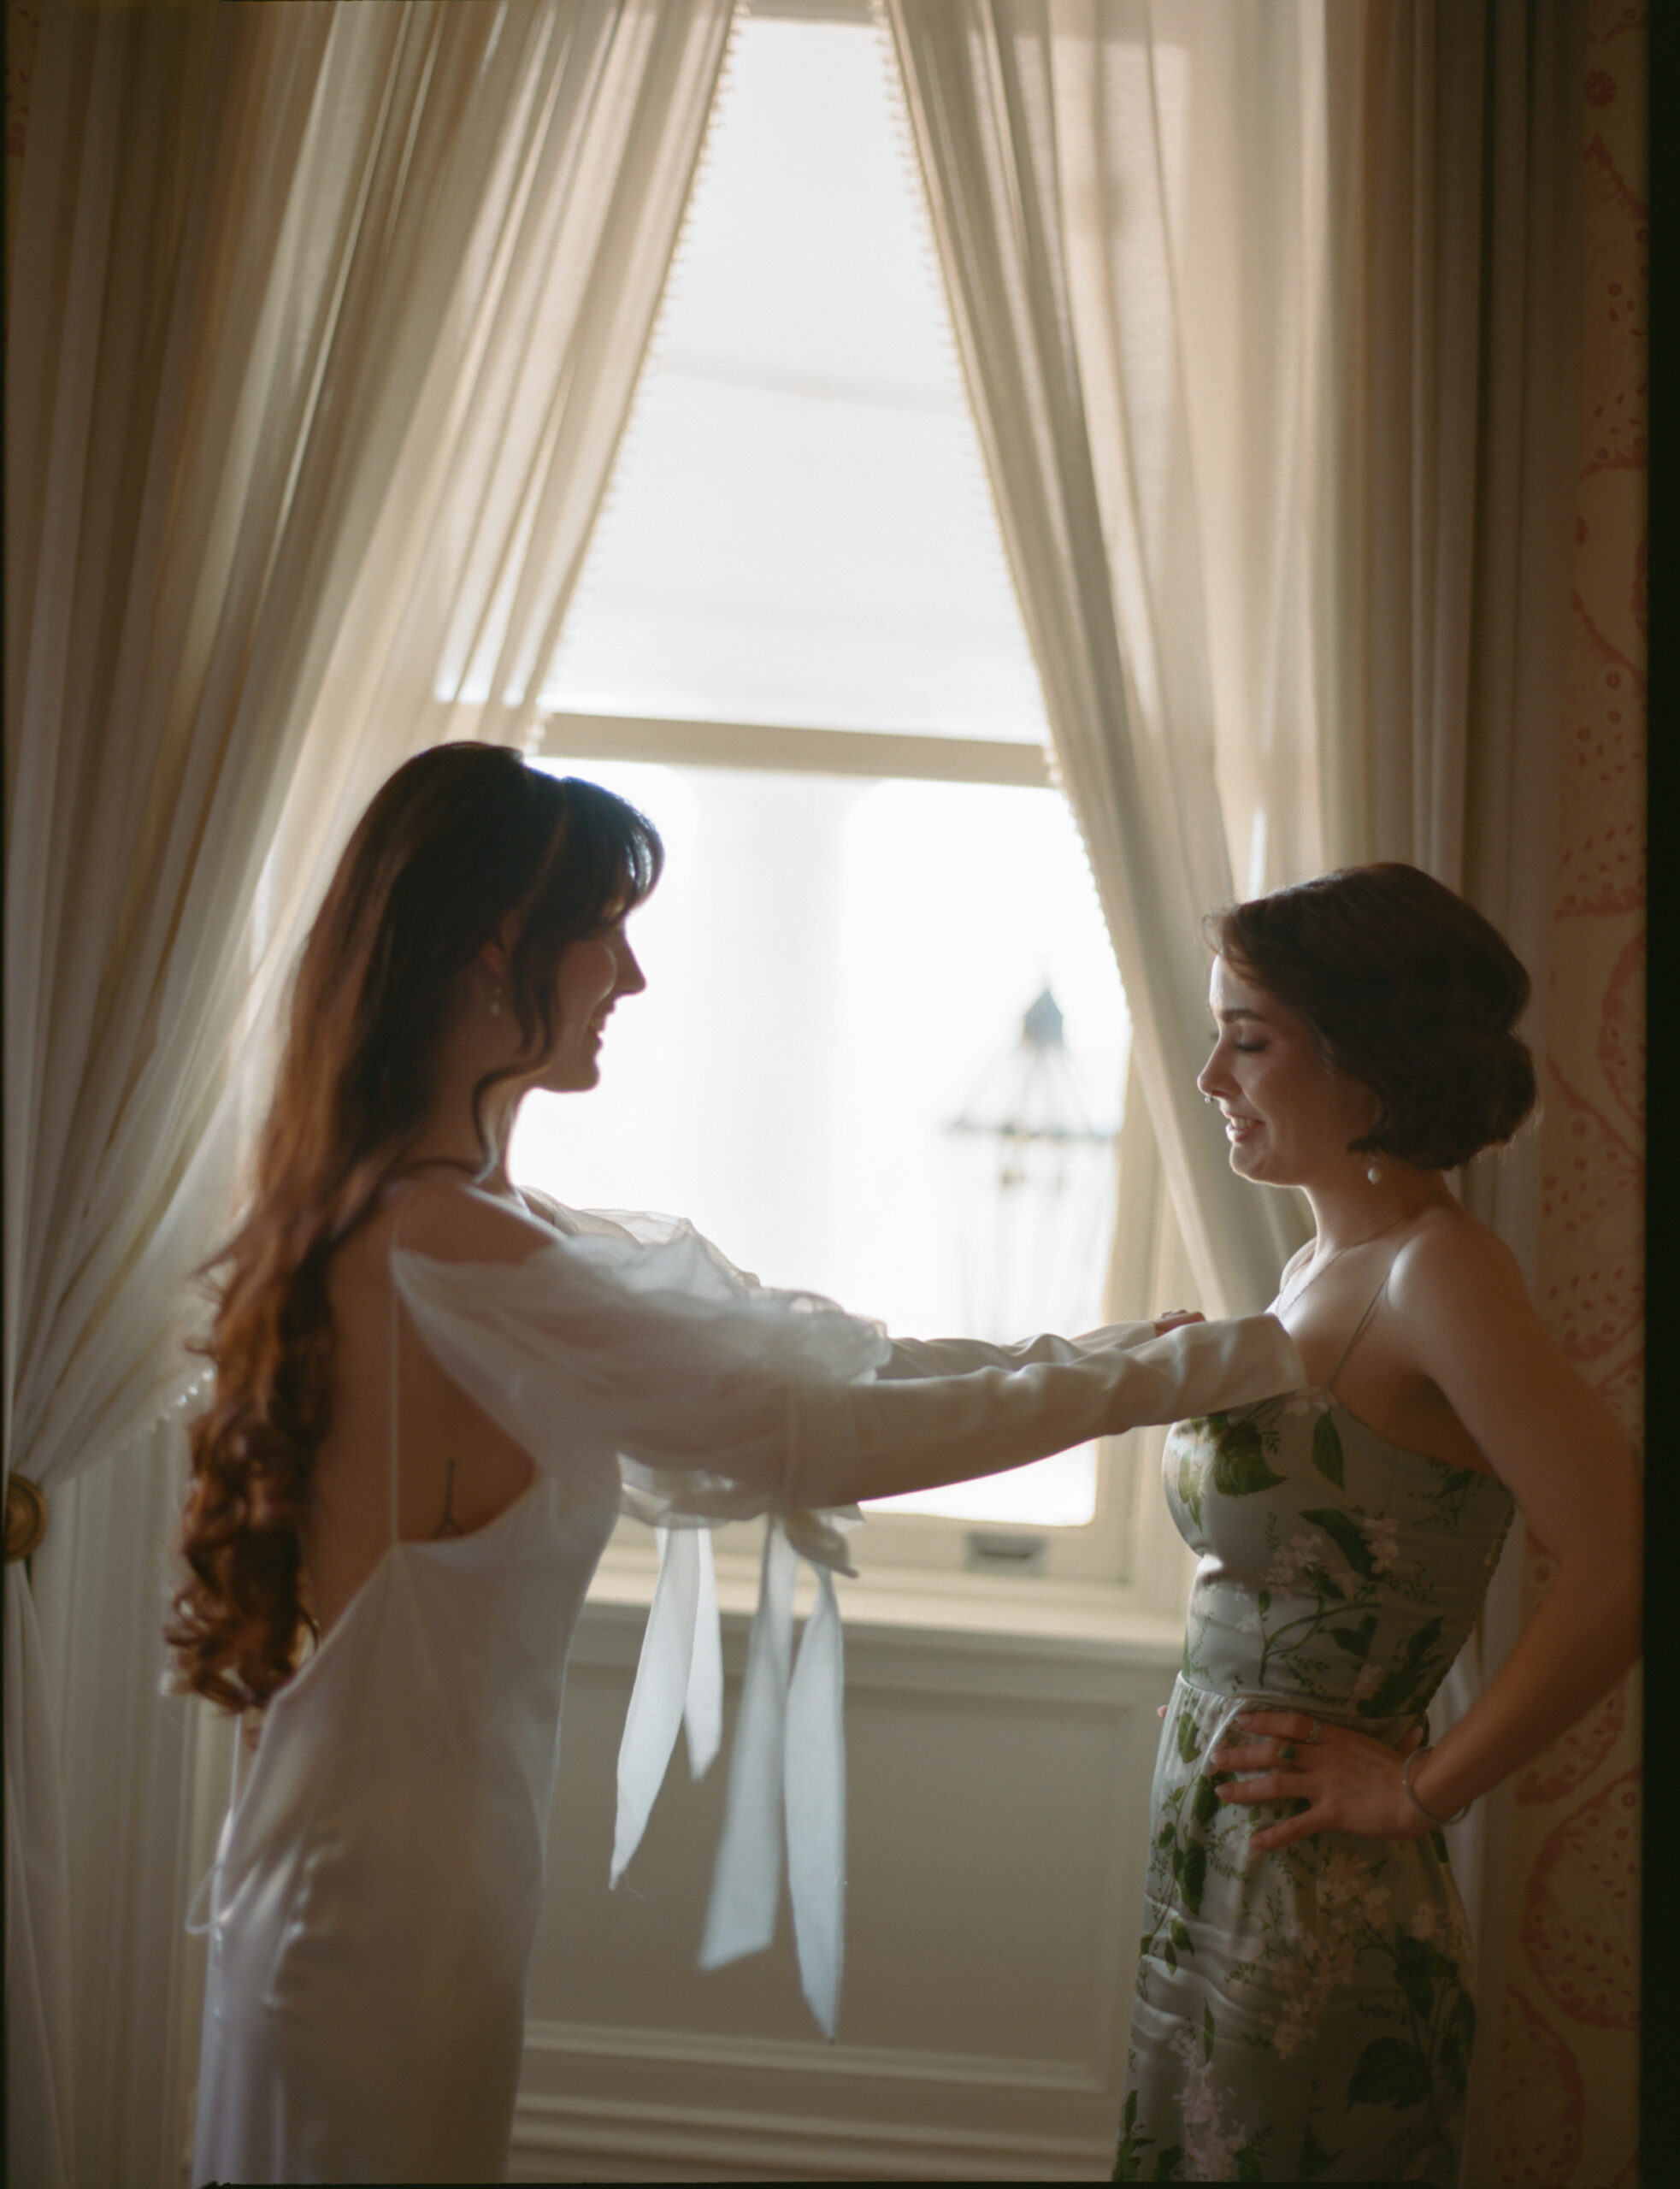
(1287, 1753)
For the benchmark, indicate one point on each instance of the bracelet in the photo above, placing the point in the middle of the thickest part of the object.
(1428, 1815)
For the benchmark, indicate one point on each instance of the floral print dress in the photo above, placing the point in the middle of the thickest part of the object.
(1306, 2013)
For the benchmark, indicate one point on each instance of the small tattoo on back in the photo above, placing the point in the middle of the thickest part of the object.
(448, 1525)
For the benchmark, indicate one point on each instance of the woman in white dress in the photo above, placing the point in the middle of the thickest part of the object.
(432, 1397)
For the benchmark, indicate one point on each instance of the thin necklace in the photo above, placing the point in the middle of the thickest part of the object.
(1335, 1254)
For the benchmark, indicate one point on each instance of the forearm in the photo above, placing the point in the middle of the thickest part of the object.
(915, 1357)
(881, 1439)
(1583, 1636)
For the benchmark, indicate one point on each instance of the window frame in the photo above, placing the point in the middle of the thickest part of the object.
(1127, 1565)
(1115, 1545)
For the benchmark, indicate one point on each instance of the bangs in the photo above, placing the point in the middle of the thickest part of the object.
(616, 849)
(603, 859)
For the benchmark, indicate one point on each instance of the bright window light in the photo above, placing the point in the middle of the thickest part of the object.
(833, 967)
(799, 533)
(800, 529)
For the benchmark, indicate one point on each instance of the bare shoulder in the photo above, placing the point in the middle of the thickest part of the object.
(1463, 1305)
(451, 1220)
(1302, 1254)
(1465, 1322)
(1449, 1262)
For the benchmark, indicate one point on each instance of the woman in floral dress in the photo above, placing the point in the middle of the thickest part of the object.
(1305, 1995)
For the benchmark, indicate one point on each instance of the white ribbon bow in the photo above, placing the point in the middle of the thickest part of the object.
(787, 1771)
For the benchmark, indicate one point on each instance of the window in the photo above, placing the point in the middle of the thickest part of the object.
(796, 646)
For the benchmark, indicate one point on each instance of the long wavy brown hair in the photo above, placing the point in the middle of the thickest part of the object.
(457, 839)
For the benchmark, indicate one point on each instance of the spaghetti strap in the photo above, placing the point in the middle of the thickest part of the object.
(395, 1378)
(1359, 1329)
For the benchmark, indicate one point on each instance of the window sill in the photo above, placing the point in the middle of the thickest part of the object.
(1034, 1615)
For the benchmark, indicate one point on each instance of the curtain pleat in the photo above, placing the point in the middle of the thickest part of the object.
(268, 261)
(1086, 163)
(1465, 184)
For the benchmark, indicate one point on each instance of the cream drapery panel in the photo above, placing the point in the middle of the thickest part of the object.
(1269, 313)
(316, 312)
(1089, 169)
(1465, 182)
(1461, 157)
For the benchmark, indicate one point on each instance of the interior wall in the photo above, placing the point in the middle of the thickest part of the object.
(1568, 2089)
(997, 1818)
(23, 31)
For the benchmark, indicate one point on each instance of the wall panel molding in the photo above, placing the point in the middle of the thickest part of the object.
(667, 2051)
(1075, 1664)
(998, 1828)
(788, 2111)
(581, 2139)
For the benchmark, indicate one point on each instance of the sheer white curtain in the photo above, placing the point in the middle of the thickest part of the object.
(1089, 164)
(287, 280)
(1269, 311)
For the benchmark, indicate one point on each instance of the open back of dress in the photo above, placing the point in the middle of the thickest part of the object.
(390, 1831)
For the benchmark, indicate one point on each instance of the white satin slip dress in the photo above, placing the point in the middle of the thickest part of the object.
(381, 1871)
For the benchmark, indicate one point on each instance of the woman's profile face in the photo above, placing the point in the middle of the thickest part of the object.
(592, 975)
(1289, 1115)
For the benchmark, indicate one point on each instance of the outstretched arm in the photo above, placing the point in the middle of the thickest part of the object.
(961, 1356)
(880, 1439)
(739, 1400)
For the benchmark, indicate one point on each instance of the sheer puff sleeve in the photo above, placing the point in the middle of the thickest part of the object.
(631, 1338)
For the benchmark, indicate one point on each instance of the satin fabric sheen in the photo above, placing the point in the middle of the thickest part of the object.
(380, 1873)
(1306, 2013)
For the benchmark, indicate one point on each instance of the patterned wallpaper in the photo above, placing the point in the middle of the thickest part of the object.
(23, 31)
(1568, 2071)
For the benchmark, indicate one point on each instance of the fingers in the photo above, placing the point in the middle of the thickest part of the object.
(1265, 1748)
(1273, 1789)
(1265, 1786)
(1279, 1725)
(1286, 1834)
(1162, 1712)
(1260, 1756)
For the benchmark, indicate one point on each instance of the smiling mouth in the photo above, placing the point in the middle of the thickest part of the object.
(1239, 1128)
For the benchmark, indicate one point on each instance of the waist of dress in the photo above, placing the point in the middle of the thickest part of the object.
(1388, 1730)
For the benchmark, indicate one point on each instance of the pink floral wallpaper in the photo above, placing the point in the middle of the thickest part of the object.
(23, 30)
(1568, 2070)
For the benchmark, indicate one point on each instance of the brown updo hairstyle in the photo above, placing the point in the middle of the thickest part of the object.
(1406, 988)
(458, 838)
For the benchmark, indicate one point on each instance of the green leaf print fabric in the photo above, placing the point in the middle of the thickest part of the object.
(1306, 2015)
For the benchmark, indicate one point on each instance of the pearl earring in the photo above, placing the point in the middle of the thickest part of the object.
(1375, 1174)
(496, 1002)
